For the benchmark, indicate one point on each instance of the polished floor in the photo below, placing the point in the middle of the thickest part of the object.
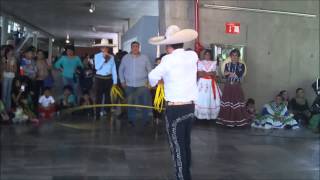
(80, 148)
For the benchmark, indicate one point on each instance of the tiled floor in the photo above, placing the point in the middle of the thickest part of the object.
(74, 148)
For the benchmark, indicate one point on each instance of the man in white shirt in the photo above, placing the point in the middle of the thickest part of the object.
(178, 70)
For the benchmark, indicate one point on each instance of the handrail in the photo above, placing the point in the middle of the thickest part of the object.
(25, 23)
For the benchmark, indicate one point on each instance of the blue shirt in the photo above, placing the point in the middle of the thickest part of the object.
(105, 68)
(29, 68)
(134, 70)
(68, 65)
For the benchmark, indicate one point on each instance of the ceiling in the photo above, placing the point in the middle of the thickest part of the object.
(62, 17)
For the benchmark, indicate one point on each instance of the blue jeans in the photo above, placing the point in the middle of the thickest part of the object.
(6, 91)
(138, 96)
(70, 82)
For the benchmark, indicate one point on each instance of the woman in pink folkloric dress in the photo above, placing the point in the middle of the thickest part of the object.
(207, 106)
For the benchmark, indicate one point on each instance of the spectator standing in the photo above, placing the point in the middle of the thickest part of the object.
(8, 69)
(133, 73)
(42, 73)
(106, 74)
(68, 65)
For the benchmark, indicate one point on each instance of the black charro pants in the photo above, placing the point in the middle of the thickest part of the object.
(178, 124)
(103, 88)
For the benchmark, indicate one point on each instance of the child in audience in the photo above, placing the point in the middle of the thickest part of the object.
(4, 117)
(46, 105)
(22, 102)
(86, 100)
(251, 109)
(68, 99)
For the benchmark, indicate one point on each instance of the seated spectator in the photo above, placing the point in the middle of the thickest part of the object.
(22, 101)
(20, 116)
(300, 108)
(285, 97)
(46, 105)
(251, 109)
(86, 100)
(68, 99)
(21, 92)
(275, 115)
(4, 117)
(314, 123)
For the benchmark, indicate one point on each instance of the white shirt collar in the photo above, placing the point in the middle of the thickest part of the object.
(178, 50)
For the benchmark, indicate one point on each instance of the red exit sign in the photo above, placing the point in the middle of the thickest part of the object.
(233, 28)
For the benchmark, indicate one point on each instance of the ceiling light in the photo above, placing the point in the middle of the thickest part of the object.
(67, 40)
(92, 7)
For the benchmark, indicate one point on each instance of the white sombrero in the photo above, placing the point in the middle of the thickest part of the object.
(104, 43)
(174, 35)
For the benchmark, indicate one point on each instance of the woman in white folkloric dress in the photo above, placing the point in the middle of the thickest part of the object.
(207, 105)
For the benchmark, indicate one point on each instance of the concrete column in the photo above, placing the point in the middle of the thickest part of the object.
(176, 12)
(50, 50)
(4, 30)
(120, 40)
(35, 40)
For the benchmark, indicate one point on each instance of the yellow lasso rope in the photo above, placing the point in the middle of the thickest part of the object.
(116, 93)
(70, 110)
(159, 98)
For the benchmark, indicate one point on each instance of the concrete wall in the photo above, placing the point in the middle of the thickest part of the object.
(178, 12)
(145, 28)
(282, 51)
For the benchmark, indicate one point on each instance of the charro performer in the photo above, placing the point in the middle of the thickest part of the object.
(178, 70)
